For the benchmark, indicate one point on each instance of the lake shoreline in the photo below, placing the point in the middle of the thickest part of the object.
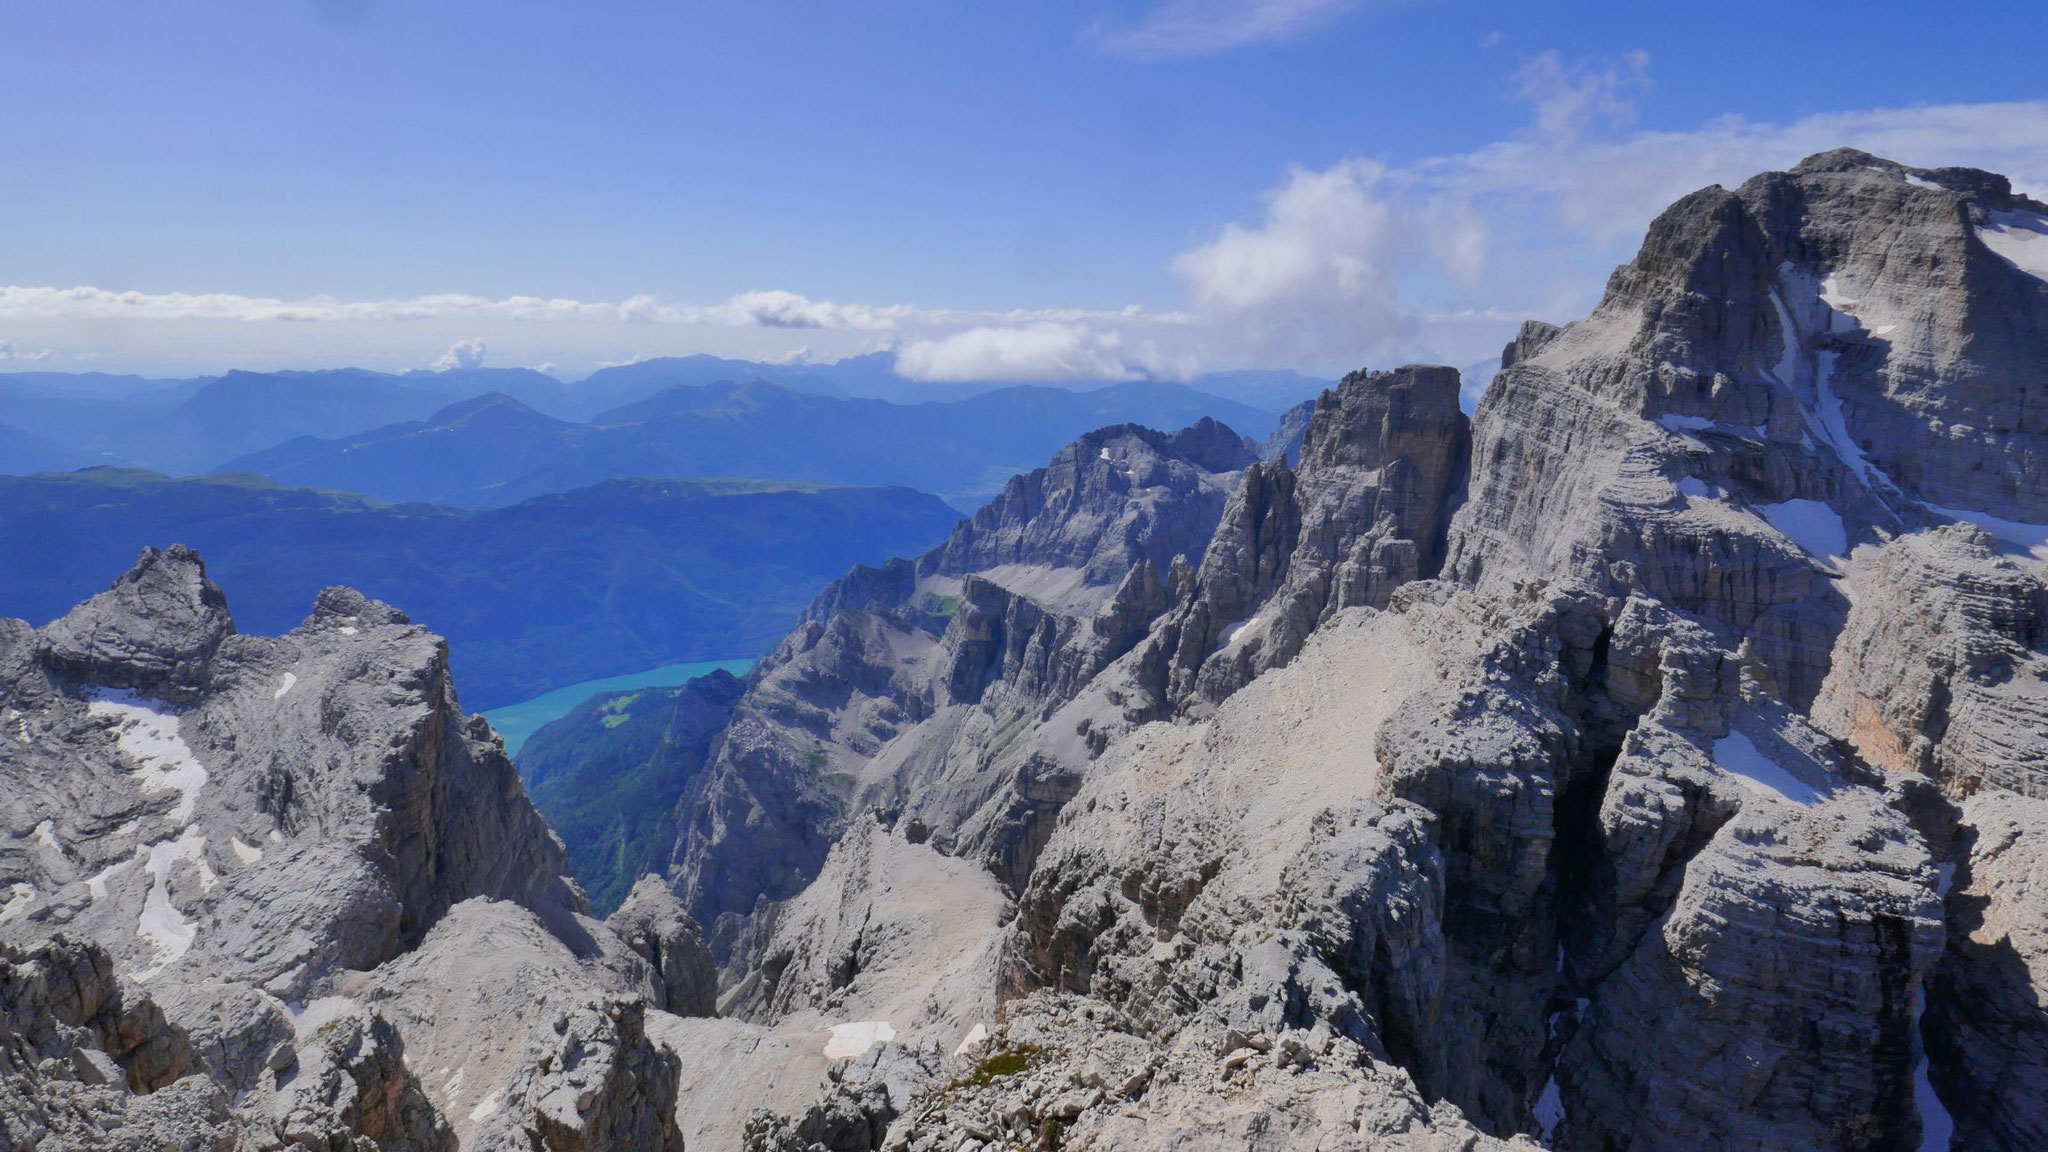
(515, 723)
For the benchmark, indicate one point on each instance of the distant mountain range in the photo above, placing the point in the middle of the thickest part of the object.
(622, 575)
(854, 421)
(495, 450)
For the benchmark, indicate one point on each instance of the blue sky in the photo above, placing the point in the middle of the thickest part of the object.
(1064, 188)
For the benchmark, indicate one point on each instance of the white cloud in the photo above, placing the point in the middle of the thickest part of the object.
(1316, 277)
(8, 351)
(464, 354)
(1440, 259)
(1197, 27)
(771, 309)
(1569, 99)
(1037, 351)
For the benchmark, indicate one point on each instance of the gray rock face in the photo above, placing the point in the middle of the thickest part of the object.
(653, 924)
(351, 1088)
(1075, 513)
(1776, 1003)
(1987, 1013)
(85, 1065)
(1803, 342)
(1562, 770)
(592, 1082)
(1383, 464)
(216, 843)
(156, 629)
(908, 683)
(1284, 445)
(315, 805)
(1941, 669)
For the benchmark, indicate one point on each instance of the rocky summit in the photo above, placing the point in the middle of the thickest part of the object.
(1651, 759)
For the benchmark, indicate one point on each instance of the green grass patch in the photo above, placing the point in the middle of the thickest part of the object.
(1008, 1062)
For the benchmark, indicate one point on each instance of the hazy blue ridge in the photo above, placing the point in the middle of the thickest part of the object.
(550, 592)
(496, 450)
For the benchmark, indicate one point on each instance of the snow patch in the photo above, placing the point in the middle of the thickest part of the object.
(243, 852)
(1839, 306)
(161, 923)
(486, 1107)
(852, 1039)
(1549, 1111)
(2021, 238)
(150, 737)
(1737, 754)
(2029, 538)
(1835, 426)
(1231, 633)
(1937, 1127)
(1696, 487)
(1673, 422)
(1787, 367)
(975, 1036)
(20, 896)
(46, 835)
(1923, 182)
(1812, 525)
(96, 884)
(350, 630)
(285, 686)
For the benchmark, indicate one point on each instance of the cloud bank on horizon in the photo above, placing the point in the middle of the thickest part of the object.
(1357, 261)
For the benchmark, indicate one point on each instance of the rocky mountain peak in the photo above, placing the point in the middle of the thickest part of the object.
(1113, 498)
(243, 873)
(1817, 360)
(156, 629)
(1382, 468)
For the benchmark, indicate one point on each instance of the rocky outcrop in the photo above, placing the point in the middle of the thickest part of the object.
(1064, 1072)
(1942, 668)
(221, 846)
(906, 687)
(1112, 499)
(156, 629)
(63, 999)
(654, 925)
(1987, 1013)
(1383, 464)
(85, 1064)
(1776, 1003)
(592, 1082)
(351, 1088)
(1753, 397)
(314, 804)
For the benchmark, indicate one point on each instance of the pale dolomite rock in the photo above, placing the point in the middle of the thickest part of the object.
(1941, 669)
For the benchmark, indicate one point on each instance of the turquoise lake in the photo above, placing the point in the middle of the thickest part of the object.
(515, 722)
